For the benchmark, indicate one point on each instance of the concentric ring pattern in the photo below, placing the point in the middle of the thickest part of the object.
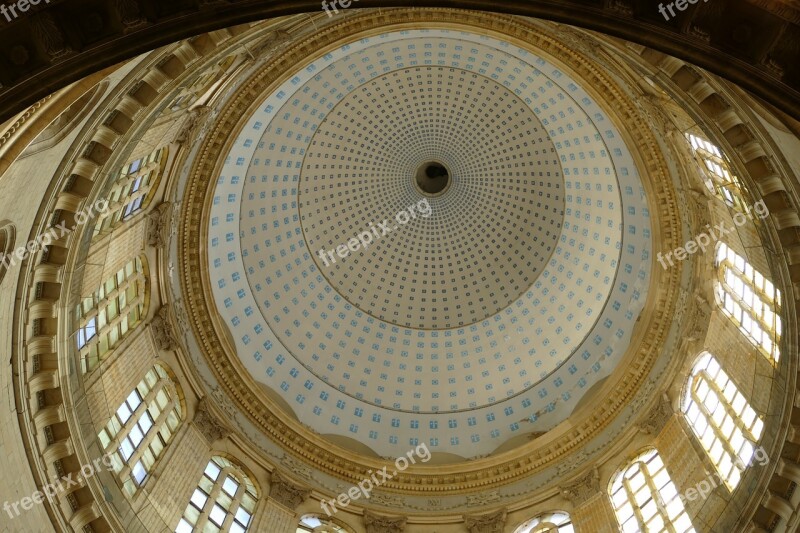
(534, 332)
(480, 245)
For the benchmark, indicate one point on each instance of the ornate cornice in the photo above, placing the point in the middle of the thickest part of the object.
(41, 356)
(33, 383)
(482, 474)
(735, 123)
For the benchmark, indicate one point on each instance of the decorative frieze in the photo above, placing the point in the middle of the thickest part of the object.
(483, 498)
(129, 13)
(296, 467)
(46, 31)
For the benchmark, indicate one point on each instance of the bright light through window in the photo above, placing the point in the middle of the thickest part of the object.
(750, 300)
(720, 180)
(132, 190)
(141, 427)
(225, 499)
(721, 418)
(87, 332)
(556, 522)
(645, 499)
(319, 523)
(110, 313)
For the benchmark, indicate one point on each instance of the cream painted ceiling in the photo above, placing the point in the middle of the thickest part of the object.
(512, 299)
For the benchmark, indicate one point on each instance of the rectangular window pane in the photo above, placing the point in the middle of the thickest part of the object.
(139, 472)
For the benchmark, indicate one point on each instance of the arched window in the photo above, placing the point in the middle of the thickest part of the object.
(750, 300)
(645, 498)
(133, 190)
(321, 524)
(720, 180)
(555, 522)
(141, 428)
(721, 418)
(224, 500)
(110, 313)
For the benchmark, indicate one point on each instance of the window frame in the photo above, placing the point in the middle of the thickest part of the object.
(733, 268)
(730, 445)
(133, 190)
(718, 173)
(621, 484)
(133, 469)
(216, 496)
(560, 520)
(110, 313)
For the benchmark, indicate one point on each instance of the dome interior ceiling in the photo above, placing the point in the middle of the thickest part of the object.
(489, 235)
(514, 297)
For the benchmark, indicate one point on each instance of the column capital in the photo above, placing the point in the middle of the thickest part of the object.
(208, 423)
(285, 492)
(384, 524)
(583, 488)
(490, 523)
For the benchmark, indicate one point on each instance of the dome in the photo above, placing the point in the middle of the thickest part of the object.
(487, 302)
